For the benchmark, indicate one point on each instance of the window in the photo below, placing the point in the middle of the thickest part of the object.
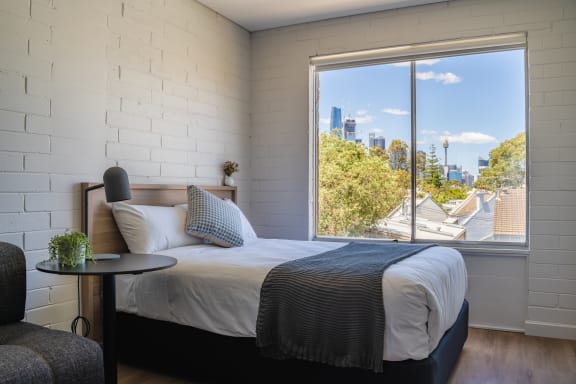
(426, 142)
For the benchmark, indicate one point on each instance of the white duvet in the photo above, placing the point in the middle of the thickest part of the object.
(217, 289)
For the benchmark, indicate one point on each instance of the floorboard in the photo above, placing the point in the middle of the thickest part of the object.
(488, 357)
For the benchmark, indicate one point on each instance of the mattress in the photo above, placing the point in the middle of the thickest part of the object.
(218, 289)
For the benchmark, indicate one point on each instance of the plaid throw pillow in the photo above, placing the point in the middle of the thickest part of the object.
(213, 219)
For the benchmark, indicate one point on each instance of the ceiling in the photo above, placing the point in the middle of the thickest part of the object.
(256, 15)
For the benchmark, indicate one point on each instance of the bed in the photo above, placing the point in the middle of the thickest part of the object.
(209, 310)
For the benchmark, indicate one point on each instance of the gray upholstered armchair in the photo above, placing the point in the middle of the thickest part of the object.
(30, 353)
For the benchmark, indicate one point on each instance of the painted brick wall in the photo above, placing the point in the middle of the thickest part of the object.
(535, 292)
(159, 87)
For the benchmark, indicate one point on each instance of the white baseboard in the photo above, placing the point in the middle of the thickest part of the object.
(556, 331)
(496, 327)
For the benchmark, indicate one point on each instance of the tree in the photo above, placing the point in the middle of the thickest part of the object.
(377, 151)
(420, 163)
(432, 183)
(398, 153)
(356, 188)
(450, 190)
(507, 165)
(432, 169)
(404, 181)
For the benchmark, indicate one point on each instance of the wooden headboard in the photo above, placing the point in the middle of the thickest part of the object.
(105, 236)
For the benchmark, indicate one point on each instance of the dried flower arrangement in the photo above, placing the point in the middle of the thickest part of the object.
(230, 167)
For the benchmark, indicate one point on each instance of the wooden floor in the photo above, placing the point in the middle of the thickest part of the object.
(489, 357)
(508, 357)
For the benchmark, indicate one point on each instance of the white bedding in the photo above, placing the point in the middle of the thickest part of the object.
(217, 289)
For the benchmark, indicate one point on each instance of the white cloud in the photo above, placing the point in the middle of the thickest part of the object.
(395, 111)
(364, 119)
(470, 138)
(419, 62)
(429, 132)
(444, 78)
(427, 62)
(362, 112)
(324, 120)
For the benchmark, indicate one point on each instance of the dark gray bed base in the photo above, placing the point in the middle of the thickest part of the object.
(203, 356)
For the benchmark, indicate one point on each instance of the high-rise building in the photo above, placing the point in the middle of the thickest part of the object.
(376, 141)
(449, 167)
(336, 121)
(350, 129)
(468, 179)
(455, 175)
(380, 141)
(482, 164)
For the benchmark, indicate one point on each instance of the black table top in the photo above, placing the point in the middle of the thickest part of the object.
(128, 263)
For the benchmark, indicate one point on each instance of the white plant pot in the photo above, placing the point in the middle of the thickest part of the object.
(229, 181)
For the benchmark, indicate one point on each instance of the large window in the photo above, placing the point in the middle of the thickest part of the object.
(428, 145)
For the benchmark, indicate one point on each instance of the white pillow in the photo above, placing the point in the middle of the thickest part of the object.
(248, 233)
(149, 229)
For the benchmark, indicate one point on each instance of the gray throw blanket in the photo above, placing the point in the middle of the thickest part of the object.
(328, 308)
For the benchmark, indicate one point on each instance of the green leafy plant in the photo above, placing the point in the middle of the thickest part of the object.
(68, 248)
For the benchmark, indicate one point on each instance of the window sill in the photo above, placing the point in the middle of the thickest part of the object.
(519, 251)
(475, 249)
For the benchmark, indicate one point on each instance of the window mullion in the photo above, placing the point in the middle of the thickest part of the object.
(413, 150)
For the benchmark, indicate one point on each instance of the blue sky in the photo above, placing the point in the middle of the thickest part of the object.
(475, 101)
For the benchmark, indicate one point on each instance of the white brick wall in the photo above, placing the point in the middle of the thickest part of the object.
(88, 84)
(543, 302)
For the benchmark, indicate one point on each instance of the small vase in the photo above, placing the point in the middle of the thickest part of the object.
(229, 181)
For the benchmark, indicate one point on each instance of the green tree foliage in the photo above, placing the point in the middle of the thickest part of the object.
(403, 179)
(420, 163)
(432, 169)
(356, 188)
(450, 190)
(377, 151)
(398, 153)
(399, 160)
(507, 165)
(440, 189)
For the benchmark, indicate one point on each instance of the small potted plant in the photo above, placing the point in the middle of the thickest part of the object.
(70, 249)
(229, 168)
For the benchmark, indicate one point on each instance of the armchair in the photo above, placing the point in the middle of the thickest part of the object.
(30, 353)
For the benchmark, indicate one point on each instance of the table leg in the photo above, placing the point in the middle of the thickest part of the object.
(109, 328)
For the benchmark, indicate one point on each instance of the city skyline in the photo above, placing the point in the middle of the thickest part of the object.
(450, 171)
(488, 86)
